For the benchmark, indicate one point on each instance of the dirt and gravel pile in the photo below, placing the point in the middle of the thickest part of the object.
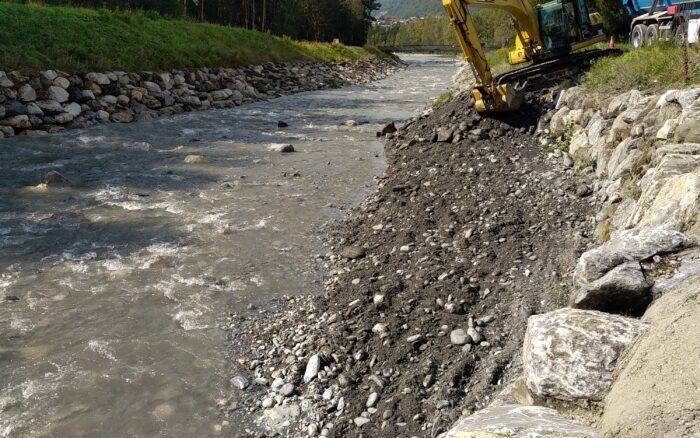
(473, 228)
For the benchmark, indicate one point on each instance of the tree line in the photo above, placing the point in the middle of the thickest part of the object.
(493, 27)
(313, 20)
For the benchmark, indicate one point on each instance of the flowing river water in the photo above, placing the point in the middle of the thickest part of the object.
(111, 286)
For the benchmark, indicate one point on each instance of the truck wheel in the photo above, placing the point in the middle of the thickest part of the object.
(681, 36)
(638, 34)
(652, 34)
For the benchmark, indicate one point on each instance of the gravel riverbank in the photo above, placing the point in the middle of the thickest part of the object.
(430, 284)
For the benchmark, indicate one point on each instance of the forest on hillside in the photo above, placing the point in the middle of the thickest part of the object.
(313, 20)
(493, 27)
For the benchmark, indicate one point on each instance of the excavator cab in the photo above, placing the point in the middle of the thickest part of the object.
(564, 24)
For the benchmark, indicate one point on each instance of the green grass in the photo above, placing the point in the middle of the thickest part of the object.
(443, 98)
(649, 69)
(40, 37)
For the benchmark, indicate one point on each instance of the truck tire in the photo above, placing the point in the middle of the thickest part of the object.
(638, 36)
(652, 35)
(681, 36)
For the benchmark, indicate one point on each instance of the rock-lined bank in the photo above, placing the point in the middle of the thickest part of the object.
(52, 101)
(594, 361)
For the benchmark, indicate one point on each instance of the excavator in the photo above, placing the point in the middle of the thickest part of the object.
(550, 36)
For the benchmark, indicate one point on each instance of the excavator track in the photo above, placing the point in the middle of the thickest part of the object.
(543, 73)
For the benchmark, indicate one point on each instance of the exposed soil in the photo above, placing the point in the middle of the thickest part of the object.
(477, 232)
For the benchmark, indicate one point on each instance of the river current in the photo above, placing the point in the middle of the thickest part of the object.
(111, 286)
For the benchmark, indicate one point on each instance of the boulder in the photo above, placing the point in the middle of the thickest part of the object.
(15, 108)
(677, 203)
(579, 144)
(50, 106)
(515, 421)
(312, 368)
(61, 82)
(102, 116)
(671, 165)
(64, 118)
(667, 130)
(5, 82)
(353, 252)
(656, 390)
(123, 117)
(636, 244)
(152, 87)
(73, 109)
(621, 102)
(58, 94)
(445, 134)
(48, 75)
(571, 354)
(34, 110)
(687, 131)
(284, 148)
(98, 78)
(685, 98)
(389, 128)
(192, 101)
(27, 93)
(220, 94)
(624, 289)
(626, 165)
(196, 159)
(279, 418)
(166, 80)
(557, 125)
(53, 177)
(17, 122)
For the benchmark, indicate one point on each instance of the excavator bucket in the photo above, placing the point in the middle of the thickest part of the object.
(496, 99)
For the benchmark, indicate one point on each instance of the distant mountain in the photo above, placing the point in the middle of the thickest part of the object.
(409, 8)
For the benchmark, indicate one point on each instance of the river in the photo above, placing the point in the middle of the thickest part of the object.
(111, 286)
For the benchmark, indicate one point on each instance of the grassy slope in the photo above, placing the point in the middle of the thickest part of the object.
(650, 69)
(35, 37)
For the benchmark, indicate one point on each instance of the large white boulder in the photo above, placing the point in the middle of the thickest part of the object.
(671, 164)
(636, 244)
(677, 203)
(571, 354)
(515, 421)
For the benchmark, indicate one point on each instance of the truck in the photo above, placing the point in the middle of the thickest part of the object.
(663, 20)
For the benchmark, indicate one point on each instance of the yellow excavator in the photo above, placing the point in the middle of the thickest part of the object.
(548, 35)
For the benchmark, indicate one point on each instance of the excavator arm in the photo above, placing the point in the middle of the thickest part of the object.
(489, 96)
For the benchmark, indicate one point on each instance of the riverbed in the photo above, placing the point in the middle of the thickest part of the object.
(112, 285)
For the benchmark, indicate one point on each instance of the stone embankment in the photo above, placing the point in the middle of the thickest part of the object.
(595, 361)
(52, 101)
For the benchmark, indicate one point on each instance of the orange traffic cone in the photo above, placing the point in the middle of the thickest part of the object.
(612, 42)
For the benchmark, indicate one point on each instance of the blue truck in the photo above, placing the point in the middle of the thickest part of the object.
(659, 20)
